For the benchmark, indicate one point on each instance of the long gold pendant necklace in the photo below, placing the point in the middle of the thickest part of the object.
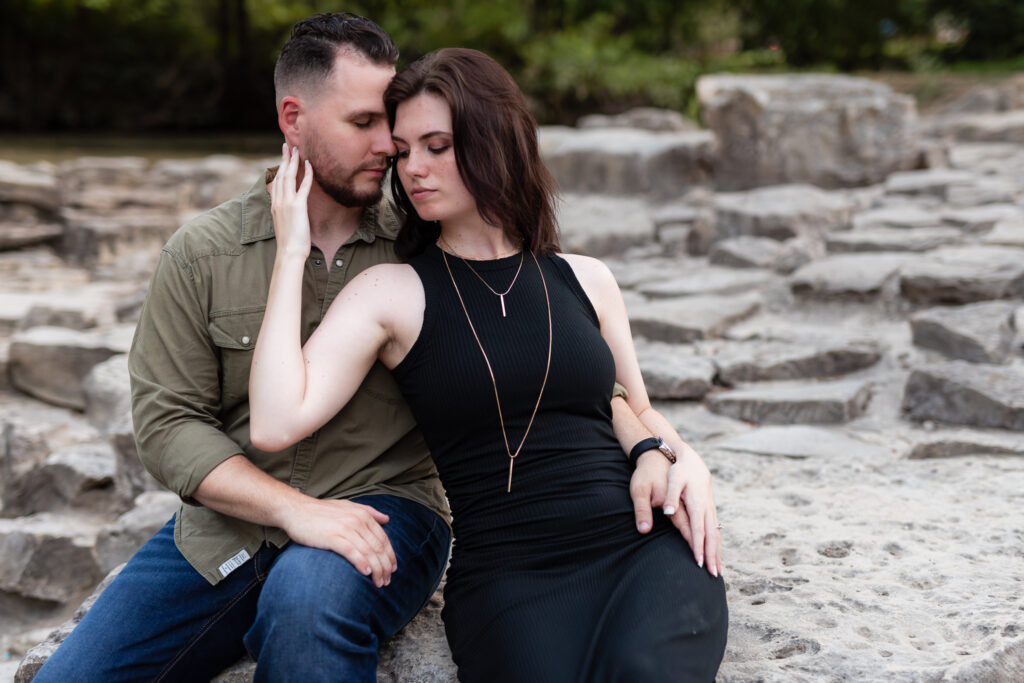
(500, 295)
(501, 420)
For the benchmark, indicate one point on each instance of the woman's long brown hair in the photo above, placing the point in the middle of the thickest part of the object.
(495, 140)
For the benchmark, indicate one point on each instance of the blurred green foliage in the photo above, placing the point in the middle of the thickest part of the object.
(164, 65)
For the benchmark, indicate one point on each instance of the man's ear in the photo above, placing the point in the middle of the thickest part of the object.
(289, 119)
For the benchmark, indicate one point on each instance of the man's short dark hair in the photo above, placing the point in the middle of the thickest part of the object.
(308, 56)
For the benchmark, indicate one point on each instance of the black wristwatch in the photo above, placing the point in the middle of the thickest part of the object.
(654, 443)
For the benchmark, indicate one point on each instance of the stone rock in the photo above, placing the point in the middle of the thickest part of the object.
(706, 280)
(854, 276)
(988, 157)
(825, 130)
(80, 477)
(629, 162)
(29, 432)
(17, 236)
(952, 443)
(982, 218)
(963, 393)
(758, 361)
(688, 318)
(90, 305)
(782, 212)
(22, 185)
(118, 541)
(673, 372)
(37, 656)
(603, 226)
(980, 333)
(798, 252)
(5, 355)
(745, 252)
(984, 190)
(48, 556)
(891, 239)
(38, 270)
(132, 477)
(418, 653)
(1006, 233)
(51, 362)
(798, 441)
(84, 172)
(683, 228)
(14, 307)
(645, 118)
(105, 200)
(995, 127)
(208, 181)
(905, 216)
(794, 402)
(107, 391)
(929, 183)
(93, 240)
(960, 275)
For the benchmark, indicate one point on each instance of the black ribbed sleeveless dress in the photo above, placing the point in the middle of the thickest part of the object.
(551, 582)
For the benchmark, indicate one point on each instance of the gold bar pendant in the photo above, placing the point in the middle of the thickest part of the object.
(510, 463)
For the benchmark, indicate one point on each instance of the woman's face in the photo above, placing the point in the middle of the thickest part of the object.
(426, 160)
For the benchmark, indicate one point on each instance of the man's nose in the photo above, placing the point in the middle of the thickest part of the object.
(382, 143)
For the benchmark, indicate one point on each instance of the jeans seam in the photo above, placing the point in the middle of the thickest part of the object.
(440, 575)
(206, 627)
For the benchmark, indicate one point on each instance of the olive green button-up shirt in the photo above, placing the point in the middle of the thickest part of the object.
(189, 366)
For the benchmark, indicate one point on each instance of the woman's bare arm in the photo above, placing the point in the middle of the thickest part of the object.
(689, 480)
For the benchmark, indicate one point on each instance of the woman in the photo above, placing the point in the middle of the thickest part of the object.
(506, 353)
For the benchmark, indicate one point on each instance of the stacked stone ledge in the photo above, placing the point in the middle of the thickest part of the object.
(816, 312)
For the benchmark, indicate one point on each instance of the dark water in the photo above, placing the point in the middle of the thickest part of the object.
(60, 147)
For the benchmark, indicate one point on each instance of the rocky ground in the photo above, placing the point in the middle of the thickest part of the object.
(828, 298)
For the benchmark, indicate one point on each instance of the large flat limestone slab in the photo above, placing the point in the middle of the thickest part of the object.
(603, 226)
(967, 394)
(892, 239)
(705, 280)
(980, 333)
(855, 276)
(759, 361)
(781, 212)
(960, 275)
(627, 161)
(686, 319)
(794, 402)
(671, 371)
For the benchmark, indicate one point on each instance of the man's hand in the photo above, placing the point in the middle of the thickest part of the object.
(349, 529)
(238, 488)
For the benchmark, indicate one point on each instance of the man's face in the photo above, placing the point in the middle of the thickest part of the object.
(347, 139)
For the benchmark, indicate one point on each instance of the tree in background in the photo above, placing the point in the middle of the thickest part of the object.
(167, 65)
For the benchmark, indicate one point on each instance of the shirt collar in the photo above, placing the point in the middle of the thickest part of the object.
(380, 220)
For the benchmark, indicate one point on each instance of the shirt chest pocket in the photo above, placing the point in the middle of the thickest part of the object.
(234, 334)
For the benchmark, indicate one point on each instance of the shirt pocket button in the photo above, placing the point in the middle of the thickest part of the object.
(245, 340)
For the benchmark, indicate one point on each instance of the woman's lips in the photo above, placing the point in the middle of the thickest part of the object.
(421, 193)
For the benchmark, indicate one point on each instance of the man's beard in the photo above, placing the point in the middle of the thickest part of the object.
(338, 184)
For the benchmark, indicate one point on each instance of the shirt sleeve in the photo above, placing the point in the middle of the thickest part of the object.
(174, 371)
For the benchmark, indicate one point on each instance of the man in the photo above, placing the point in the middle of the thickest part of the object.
(359, 499)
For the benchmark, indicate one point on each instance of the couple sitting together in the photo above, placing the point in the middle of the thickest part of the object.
(313, 362)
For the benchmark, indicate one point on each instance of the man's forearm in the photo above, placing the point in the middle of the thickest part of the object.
(239, 489)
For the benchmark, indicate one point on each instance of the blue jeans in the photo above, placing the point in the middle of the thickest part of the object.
(303, 614)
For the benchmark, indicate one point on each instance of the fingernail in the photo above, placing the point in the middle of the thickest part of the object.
(366, 570)
(643, 526)
(700, 562)
(714, 571)
(669, 510)
(394, 567)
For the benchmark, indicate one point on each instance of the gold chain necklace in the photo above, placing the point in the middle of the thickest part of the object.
(500, 295)
(501, 420)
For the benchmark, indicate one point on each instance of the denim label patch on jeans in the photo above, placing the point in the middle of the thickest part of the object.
(234, 563)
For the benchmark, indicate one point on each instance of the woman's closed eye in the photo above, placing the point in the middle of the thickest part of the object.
(439, 150)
